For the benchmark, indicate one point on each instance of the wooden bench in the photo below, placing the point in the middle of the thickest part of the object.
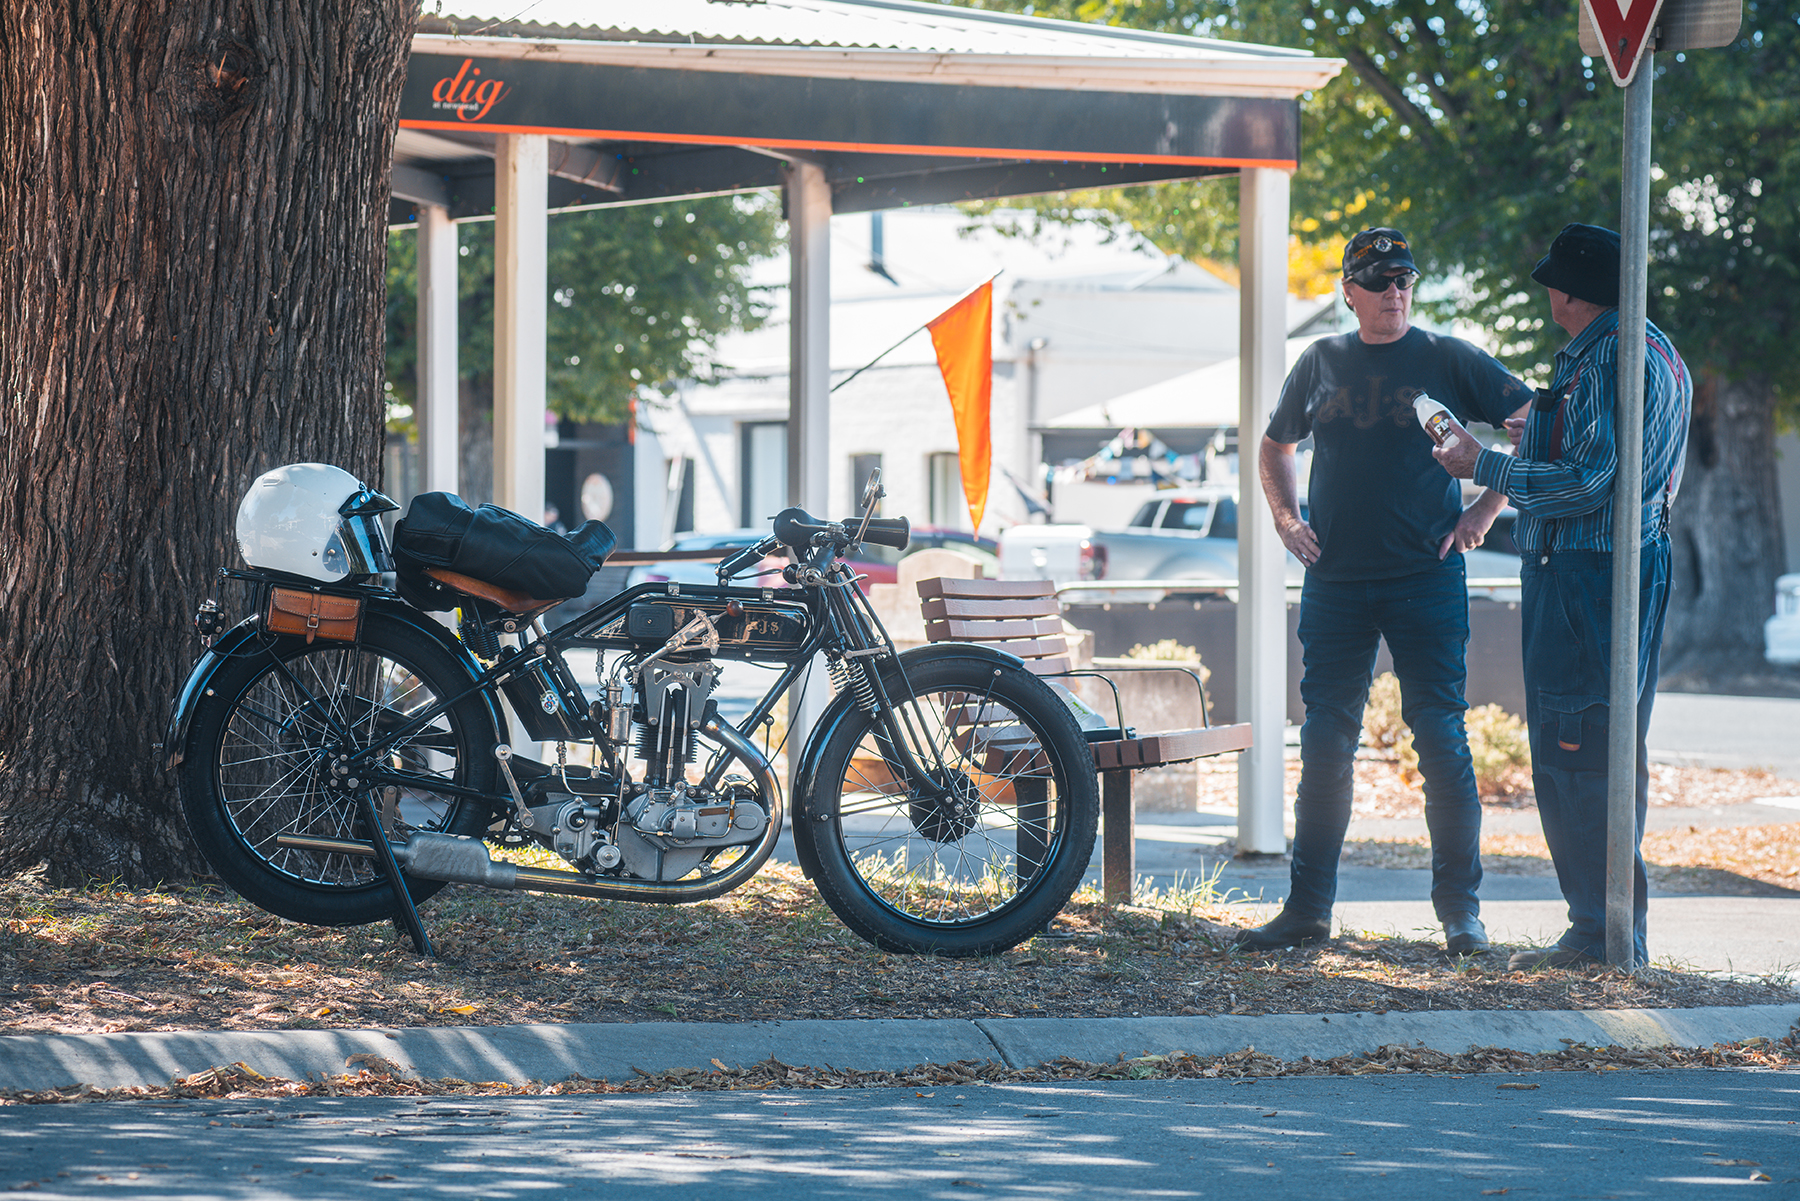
(1024, 618)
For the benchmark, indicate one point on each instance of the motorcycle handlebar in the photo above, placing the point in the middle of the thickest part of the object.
(797, 528)
(886, 531)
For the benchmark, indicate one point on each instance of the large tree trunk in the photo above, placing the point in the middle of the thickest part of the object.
(192, 202)
(1727, 543)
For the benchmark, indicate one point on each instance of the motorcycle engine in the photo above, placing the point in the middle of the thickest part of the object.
(666, 831)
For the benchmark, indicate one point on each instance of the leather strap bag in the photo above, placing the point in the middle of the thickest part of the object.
(315, 614)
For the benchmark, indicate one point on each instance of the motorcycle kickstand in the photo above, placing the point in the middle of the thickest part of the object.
(409, 913)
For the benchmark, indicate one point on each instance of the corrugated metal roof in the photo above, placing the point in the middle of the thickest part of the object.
(856, 24)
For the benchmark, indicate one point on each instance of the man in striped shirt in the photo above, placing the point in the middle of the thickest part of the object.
(1561, 481)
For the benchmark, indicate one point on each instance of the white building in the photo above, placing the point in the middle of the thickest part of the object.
(1077, 319)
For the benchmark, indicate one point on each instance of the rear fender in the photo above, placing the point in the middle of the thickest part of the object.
(242, 638)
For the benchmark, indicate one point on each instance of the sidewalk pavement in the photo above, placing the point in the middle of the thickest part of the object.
(520, 1054)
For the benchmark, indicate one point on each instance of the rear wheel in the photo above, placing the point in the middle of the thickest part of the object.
(259, 755)
(982, 846)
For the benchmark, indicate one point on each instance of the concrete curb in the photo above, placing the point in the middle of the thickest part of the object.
(518, 1054)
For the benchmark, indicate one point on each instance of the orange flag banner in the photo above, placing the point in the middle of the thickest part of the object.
(963, 336)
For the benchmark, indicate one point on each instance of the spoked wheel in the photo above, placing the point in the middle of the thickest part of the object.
(259, 762)
(979, 849)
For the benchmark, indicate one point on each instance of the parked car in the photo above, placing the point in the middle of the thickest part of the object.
(699, 571)
(1191, 534)
(1781, 633)
(878, 563)
(881, 563)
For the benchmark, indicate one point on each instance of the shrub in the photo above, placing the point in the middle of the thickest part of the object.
(1498, 745)
(1168, 651)
(1501, 750)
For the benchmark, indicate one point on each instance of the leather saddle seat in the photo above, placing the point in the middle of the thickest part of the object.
(593, 540)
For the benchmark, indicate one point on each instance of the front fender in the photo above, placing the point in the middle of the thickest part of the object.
(238, 639)
(892, 680)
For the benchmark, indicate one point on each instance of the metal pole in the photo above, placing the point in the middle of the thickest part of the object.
(809, 404)
(1263, 197)
(1628, 506)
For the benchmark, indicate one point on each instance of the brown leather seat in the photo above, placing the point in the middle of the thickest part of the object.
(508, 600)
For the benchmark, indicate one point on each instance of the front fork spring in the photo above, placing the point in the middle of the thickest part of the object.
(848, 675)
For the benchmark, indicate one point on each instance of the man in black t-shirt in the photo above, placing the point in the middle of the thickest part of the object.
(1383, 557)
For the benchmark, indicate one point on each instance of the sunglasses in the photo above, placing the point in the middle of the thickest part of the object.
(1381, 283)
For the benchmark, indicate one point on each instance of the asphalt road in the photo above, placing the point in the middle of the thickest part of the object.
(1625, 1134)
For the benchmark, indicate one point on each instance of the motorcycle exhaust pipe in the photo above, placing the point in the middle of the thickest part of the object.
(461, 860)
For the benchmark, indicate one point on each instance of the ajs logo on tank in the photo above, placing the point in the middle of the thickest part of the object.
(467, 93)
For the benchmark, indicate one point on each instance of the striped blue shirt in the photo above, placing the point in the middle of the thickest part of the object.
(1565, 501)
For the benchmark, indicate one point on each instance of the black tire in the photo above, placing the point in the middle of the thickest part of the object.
(955, 865)
(257, 757)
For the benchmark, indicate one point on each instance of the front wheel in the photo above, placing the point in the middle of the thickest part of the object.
(259, 758)
(962, 822)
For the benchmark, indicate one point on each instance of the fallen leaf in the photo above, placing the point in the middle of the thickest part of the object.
(459, 1009)
(373, 1063)
(1760, 1176)
(720, 1066)
(924, 1094)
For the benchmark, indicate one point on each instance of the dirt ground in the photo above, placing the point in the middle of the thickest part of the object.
(110, 959)
(1729, 861)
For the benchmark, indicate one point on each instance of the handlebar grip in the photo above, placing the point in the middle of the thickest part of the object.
(795, 527)
(885, 531)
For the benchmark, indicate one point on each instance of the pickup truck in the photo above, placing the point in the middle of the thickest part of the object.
(1185, 534)
(1179, 534)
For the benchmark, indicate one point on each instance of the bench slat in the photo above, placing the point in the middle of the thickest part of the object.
(1031, 650)
(970, 631)
(938, 608)
(992, 589)
(1172, 746)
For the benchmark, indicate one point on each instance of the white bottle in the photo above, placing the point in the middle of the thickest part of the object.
(1437, 420)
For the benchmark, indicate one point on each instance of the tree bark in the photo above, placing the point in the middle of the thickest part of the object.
(1727, 545)
(192, 203)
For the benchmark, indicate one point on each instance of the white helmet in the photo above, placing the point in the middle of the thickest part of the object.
(314, 520)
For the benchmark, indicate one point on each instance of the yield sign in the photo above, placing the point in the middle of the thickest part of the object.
(1624, 27)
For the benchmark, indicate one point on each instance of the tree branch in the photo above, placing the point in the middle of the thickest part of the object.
(1389, 91)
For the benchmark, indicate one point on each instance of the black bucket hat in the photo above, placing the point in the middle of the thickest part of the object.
(1584, 262)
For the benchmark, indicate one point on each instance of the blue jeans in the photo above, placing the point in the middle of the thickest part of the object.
(1567, 645)
(1425, 619)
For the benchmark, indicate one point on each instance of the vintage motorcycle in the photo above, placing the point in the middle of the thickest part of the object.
(342, 754)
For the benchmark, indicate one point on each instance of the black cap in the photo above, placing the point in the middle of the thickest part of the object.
(1584, 262)
(1377, 250)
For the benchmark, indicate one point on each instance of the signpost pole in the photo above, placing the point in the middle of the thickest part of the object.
(1622, 740)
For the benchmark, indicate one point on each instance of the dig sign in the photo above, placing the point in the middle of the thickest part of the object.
(1621, 30)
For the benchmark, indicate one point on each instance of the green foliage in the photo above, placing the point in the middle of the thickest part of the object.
(638, 296)
(1501, 750)
(1481, 130)
(1168, 650)
(1498, 745)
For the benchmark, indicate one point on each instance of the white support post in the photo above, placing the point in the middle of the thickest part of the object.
(809, 338)
(1262, 561)
(809, 402)
(521, 227)
(435, 405)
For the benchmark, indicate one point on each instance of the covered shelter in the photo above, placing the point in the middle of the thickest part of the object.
(846, 106)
